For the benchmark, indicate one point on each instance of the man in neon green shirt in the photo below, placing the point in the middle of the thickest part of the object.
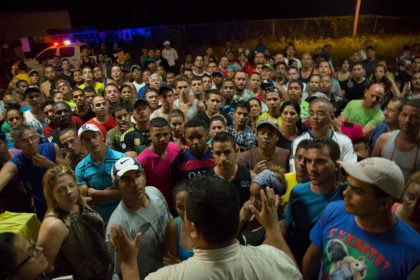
(367, 111)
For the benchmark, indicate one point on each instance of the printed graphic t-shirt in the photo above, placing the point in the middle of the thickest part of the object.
(350, 252)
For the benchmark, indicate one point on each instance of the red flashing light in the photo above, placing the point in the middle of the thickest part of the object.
(56, 44)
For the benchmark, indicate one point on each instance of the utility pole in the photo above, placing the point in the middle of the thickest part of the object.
(356, 17)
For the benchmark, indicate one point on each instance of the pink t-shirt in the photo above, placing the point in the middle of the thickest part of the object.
(157, 169)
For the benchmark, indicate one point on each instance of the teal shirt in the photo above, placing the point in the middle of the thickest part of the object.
(303, 211)
(89, 173)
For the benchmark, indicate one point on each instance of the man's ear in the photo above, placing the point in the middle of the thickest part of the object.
(386, 203)
(193, 230)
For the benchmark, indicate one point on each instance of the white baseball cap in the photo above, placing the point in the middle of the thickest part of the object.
(381, 172)
(87, 127)
(122, 166)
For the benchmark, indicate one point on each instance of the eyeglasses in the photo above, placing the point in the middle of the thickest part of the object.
(32, 251)
(29, 140)
(318, 114)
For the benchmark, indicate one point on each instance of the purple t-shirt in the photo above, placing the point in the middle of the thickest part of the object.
(157, 169)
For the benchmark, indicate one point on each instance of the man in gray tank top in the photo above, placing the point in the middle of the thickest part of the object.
(402, 146)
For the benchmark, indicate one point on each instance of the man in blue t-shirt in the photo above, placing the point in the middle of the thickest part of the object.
(198, 158)
(308, 200)
(30, 164)
(360, 237)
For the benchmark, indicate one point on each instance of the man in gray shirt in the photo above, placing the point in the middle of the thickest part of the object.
(142, 209)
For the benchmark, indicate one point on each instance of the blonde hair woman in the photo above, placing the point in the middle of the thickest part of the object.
(72, 234)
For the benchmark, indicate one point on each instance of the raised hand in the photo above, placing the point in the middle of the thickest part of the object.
(126, 249)
(268, 216)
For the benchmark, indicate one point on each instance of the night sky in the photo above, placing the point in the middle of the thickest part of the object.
(131, 13)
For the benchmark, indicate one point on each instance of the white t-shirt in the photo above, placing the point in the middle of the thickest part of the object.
(232, 262)
(170, 55)
(347, 153)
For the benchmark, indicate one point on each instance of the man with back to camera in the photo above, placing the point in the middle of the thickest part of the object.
(212, 217)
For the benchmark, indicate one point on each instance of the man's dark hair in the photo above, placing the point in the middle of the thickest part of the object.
(158, 122)
(196, 78)
(224, 137)
(65, 59)
(86, 66)
(205, 75)
(358, 63)
(118, 108)
(213, 206)
(333, 148)
(213, 91)
(292, 67)
(218, 117)
(8, 254)
(30, 90)
(67, 129)
(256, 74)
(239, 71)
(304, 144)
(412, 102)
(280, 63)
(181, 78)
(89, 89)
(297, 82)
(244, 105)
(197, 122)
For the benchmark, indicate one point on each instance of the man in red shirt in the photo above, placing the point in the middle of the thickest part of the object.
(103, 119)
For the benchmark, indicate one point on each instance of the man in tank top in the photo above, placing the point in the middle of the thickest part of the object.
(402, 146)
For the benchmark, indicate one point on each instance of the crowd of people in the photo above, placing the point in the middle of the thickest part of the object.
(247, 165)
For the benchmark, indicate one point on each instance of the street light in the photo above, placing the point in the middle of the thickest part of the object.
(356, 17)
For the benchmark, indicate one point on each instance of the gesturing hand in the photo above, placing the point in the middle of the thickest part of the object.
(126, 249)
(267, 217)
(260, 166)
